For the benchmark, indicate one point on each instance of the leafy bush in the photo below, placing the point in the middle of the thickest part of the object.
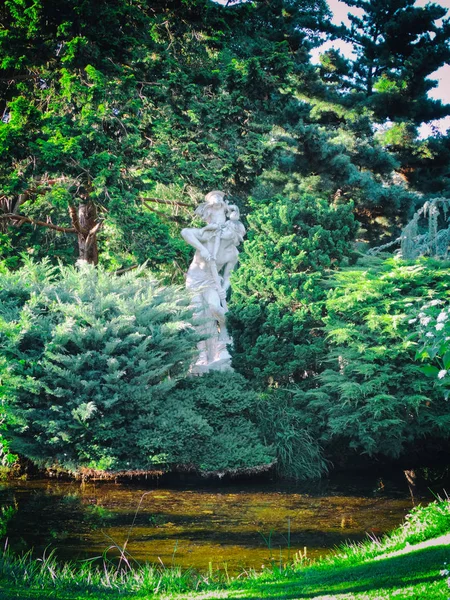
(89, 356)
(277, 308)
(374, 397)
(434, 340)
(90, 367)
(299, 454)
(213, 428)
(277, 302)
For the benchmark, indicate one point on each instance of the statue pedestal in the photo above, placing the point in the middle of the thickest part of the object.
(217, 365)
(221, 360)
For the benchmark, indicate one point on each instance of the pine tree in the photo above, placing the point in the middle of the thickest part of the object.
(398, 45)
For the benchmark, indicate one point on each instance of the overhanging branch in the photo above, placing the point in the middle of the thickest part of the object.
(22, 219)
(160, 213)
(168, 202)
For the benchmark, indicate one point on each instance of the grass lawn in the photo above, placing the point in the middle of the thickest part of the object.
(415, 573)
(411, 562)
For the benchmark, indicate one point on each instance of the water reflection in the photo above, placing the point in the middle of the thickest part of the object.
(240, 525)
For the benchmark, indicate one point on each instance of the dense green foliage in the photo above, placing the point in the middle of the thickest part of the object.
(112, 99)
(299, 454)
(117, 117)
(398, 45)
(88, 358)
(208, 423)
(91, 362)
(113, 112)
(276, 291)
(373, 396)
(434, 340)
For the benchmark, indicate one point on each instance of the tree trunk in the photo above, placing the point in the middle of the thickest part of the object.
(87, 238)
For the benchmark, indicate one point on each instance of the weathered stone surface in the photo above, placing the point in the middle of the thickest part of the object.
(208, 277)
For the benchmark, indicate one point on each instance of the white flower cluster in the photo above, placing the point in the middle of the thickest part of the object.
(445, 573)
(439, 321)
(433, 322)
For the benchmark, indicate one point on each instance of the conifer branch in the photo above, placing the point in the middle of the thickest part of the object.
(4, 200)
(160, 213)
(125, 270)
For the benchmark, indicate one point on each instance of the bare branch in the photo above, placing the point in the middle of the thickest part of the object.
(149, 82)
(169, 202)
(34, 190)
(121, 271)
(22, 219)
(161, 214)
(19, 78)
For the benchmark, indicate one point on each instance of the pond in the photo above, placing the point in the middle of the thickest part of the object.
(237, 524)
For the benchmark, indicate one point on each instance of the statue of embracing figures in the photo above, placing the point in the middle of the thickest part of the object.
(208, 277)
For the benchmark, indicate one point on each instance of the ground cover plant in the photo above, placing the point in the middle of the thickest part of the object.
(409, 562)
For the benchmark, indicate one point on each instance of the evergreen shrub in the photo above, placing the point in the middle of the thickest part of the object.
(90, 363)
(299, 454)
(373, 396)
(277, 305)
(214, 428)
(277, 309)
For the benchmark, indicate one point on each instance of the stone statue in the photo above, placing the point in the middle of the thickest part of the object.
(208, 277)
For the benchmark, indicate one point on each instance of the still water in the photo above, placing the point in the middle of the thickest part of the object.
(240, 524)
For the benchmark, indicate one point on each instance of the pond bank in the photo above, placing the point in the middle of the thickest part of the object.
(400, 565)
(240, 525)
